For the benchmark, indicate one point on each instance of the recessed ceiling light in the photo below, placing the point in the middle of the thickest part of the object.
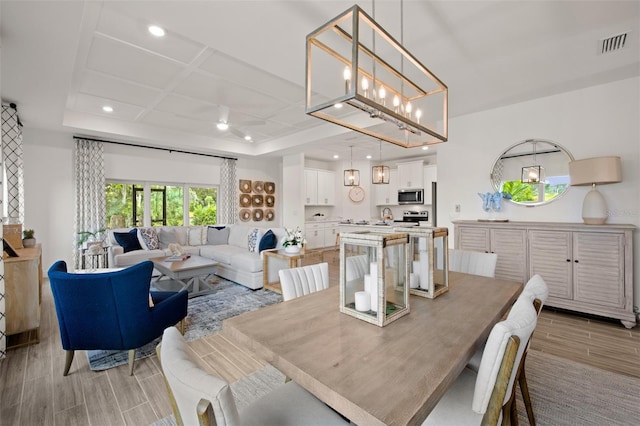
(368, 157)
(247, 138)
(336, 156)
(424, 148)
(107, 108)
(156, 30)
(222, 125)
(338, 105)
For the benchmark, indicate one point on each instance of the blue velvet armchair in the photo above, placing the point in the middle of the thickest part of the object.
(111, 311)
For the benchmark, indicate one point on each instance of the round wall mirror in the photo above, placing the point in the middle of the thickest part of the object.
(533, 172)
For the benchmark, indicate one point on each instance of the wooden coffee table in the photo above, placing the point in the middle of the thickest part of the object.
(191, 274)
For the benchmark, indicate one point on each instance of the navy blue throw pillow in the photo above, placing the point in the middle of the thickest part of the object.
(128, 240)
(268, 241)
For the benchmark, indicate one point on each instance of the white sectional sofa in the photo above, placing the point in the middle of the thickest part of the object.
(226, 244)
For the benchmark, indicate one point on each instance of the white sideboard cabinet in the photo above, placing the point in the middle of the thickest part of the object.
(587, 268)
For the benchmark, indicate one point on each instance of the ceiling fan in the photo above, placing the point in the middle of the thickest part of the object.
(223, 124)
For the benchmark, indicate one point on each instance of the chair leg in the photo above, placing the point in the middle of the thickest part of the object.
(67, 362)
(182, 326)
(132, 358)
(522, 381)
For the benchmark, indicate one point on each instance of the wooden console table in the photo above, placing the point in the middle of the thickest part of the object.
(23, 293)
(293, 261)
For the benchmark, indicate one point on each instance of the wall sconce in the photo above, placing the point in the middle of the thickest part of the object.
(592, 171)
(382, 92)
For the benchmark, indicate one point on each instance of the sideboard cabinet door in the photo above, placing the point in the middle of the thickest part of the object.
(599, 268)
(511, 247)
(550, 256)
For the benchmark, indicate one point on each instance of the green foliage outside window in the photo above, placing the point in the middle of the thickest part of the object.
(528, 192)
(119, 204)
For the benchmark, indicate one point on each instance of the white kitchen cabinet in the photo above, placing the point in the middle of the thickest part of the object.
(320, 234)
(319, 187)
(410, 174)
(588, 268)
(430, 175)
(387, 194)
(326, 188)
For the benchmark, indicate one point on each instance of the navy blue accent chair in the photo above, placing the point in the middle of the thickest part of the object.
(111, 310)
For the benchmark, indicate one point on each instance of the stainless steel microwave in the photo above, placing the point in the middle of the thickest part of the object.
(411, 196)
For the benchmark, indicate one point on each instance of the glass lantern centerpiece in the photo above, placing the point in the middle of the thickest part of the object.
(374, 276)
(429, 255)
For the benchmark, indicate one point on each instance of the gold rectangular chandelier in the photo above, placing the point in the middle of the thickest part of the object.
(359, 77)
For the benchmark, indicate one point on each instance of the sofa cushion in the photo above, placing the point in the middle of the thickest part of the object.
(253, 239)
(136, 256)
(247, 261)
(222, 253)
(149, 238)
(238, 236)
(217, 235)
(128, 240)
(268, 241)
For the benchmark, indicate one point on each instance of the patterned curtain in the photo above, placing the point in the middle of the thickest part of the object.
(90, 200)
(227, 201)
(11, 162)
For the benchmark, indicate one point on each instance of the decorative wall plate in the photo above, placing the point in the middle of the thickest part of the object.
(258, 215)
(269, 187)
(269, 200)
(257, 200)
(245, 200)
(245, 215)
(269, 214)
(258, 186)
(245, 186)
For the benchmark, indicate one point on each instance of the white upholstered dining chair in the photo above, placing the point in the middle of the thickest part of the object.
(473, 262)
(296, 282)
(537, 292)
(483, 398)
(200, 398)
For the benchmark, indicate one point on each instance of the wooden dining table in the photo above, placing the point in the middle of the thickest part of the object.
(372, 375)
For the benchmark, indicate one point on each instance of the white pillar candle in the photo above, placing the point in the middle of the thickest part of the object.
(373, 271)
(367, 283)
(422, 244)
(363, 301)
(414, 282)
(424, 270)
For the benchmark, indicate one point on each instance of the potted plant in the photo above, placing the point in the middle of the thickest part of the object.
(293, 241)
(28, 240)
(93, 239)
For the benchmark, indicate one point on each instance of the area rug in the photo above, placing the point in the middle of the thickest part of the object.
(563, 393)
(204, 317)
(567, 393)
(246, 390)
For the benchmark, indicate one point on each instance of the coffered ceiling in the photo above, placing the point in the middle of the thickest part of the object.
(243, 61)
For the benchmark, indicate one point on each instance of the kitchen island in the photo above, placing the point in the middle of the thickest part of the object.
(372, 227)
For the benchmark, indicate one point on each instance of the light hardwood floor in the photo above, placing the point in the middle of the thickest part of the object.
(34, 392)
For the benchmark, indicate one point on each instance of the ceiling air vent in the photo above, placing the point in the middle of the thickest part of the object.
(613, 43)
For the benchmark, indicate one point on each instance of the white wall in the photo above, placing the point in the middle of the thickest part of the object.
(49, 187)
(597, 121)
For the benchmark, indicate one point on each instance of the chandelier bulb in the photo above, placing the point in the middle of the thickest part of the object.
(409, 107)
(347, 73)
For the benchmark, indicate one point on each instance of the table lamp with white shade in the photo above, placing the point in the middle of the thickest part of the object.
(595, 171)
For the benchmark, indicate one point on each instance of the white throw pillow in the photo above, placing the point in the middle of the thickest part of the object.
(195, 236)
